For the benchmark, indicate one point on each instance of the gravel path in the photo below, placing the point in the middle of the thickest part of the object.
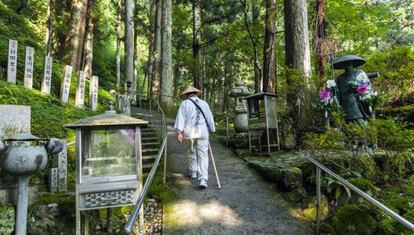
(244, 205)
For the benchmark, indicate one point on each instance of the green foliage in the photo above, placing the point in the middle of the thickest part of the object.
(7, 219)
(396, 68)
(353, 219)
(330, 139)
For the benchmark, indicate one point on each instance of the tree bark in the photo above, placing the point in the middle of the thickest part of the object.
(167, 81)
(269, 51)
(74, 38)
(129, 44)
(197, 60)
(118, 47)
(320, 36)
(48, 38)
(156, 76)
(150, 63)
(298, 63)
(89, 43)
(255, 57)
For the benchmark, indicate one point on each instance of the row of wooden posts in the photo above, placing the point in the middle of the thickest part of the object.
(47, 77)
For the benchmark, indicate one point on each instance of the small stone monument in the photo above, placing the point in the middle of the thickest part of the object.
(93, 92)
(65, 88)
(28, 68)
(12, 62)
(47, 78)
(80, 90)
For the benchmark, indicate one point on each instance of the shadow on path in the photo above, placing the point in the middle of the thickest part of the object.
(244, 205)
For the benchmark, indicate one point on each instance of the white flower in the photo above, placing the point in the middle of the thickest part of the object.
(330, 84)
(362, 77)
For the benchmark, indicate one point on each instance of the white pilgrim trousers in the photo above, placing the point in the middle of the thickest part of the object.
(198, 157)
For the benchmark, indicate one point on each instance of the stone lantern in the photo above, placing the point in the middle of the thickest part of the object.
(22, 155)
(109, 162)
(240, 111)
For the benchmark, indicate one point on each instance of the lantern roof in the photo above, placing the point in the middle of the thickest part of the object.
(23, 137)
(109, 118)
(260, 94)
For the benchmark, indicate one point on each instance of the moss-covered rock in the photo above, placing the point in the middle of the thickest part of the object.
(354, 219)
(291, 178)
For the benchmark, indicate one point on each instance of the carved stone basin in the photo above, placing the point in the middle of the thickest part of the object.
(24, 155)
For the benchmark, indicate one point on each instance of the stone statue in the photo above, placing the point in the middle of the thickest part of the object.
(350, 86)
(238, 92)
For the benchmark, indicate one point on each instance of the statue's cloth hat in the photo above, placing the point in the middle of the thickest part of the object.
(189, 90)
(344, 61)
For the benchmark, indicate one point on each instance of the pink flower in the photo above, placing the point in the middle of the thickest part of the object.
(324, 95)
(363, 88)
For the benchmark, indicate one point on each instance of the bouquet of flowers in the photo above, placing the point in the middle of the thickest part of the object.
(327, 101)
(364, 90)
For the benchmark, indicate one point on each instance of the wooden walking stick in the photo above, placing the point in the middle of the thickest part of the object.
(214, 165)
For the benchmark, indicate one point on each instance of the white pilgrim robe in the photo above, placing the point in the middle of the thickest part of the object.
(198, 148)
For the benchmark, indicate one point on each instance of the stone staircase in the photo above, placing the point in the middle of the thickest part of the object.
(150, 144)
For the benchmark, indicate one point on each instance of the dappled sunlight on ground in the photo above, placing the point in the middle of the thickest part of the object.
(193, 214)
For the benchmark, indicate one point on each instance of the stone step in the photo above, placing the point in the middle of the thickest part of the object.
(148, 134)
(148, 159)
(150, 151)
(149, 139)
(153, 144)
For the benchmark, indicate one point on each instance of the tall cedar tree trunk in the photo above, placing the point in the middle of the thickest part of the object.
(253, 39)
(129, 43)
(118, 47)
(156, 75)
(298, 61)
(150, 63)
(48, 38)
(74, 38)
(167, 81)
(89, 42)
(320, 35)
(197, 60)
(269, 51)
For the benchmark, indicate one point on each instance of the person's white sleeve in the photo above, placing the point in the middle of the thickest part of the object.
(180, 119)
(210, 119)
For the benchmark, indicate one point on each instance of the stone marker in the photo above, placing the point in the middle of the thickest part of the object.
(53, 179)
(28, 68)
(16, 121)
(47, 78)
(65, 88)
(63, 168)
(93, 92)
(80, 90)
(12, 62)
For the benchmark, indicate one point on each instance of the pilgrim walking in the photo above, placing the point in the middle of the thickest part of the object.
(194, 123)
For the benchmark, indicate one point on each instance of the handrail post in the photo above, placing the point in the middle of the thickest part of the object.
(227, 129)
(150, 108)
(165, 164)
(318, 199)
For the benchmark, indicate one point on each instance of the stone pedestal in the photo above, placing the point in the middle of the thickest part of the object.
(17, 120)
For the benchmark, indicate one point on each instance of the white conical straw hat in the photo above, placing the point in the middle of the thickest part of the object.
(190, 89)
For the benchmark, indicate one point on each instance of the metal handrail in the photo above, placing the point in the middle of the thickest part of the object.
(148, 182)
(137, 207)
(361, 193)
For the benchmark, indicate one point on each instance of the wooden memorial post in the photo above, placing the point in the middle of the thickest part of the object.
(28, 68)
(80, 90)
(65, 88)
(12, 62)
(47, 79)
(93, 92)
